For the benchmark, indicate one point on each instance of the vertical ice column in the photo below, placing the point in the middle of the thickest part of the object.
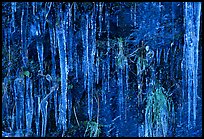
(29, 103)
(135, 14)
(126, 85)
(63, 71)
(108, 45)
(53, 70)
(19, 102)
(23, 37)
(70, 60)
(97, 67)
(173, 17)
(192, 28)
(100, 18)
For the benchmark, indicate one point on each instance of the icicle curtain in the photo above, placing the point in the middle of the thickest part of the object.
(98, 69)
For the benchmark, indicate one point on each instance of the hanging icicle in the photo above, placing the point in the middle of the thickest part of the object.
(40, 51)
(19, 102)
(103, 84)
(76, 67)
(126, 74)
(63, 71)
(84, 34)
(23, 37)
(75, 6)
(13, 8)
(5, 103)
(100, 18)
(89, 67)
(29, 103)
(126, 85)
(192, 27)
(87, 38)
(158, 55)
(108, 45)
(173, 18)
(70, 60)
(43, 108)
(97, 67)
(91, 58)
(197, 14)
(120, 62)
(53, 70)
(135, 15)
(33, 5)
(69, 103)
(40, 48)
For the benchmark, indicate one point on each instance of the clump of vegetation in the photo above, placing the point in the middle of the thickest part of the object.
(157, 112)
(92, 129)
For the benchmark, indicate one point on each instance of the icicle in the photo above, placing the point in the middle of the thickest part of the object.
(13, 7)
(69, 102)
(76, 67)
(126, 74)
(40, 48)
(100, 18)
(89, 58)
(192, 13)
(135, 14)
(89, 96)
(108, 46)
(23, 39)
(139, 98)
(33, 4)
(166, 54)
(91, 62)
(87, 45)
(197, 15)
(117, 21)
(53, 70)
(19, 90)
(131, 12)
(121, 97)
(60, 107)
(5, 100)
(8, 37)
(103, 84)
(13, 117)
(43, 108)
(70, 60)
(108, 66)
(55, 78)
(189, 59)
(173, 17)
(158, 55)
(63, 71)
(183, 83)
(126, 84)
(97, 67)
(40, 56)
(84, 60)
(29, 104)
(120, 79)
(46, 15)
(93, 38)
(37, 113)
(75, 5)
(113, 59)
